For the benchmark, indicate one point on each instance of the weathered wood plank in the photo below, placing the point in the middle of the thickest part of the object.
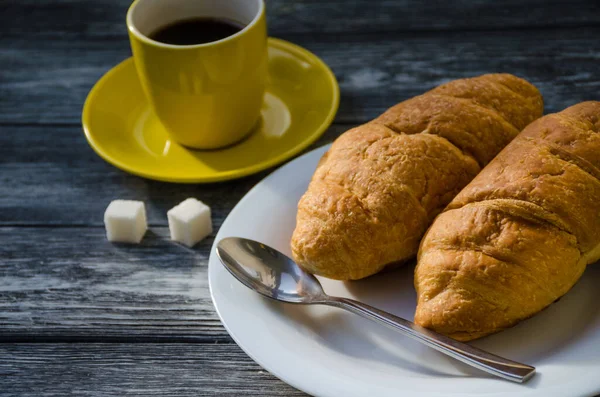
(134, 370)
(106, 17)
(50, 176)
(71, 283)
(375, 71)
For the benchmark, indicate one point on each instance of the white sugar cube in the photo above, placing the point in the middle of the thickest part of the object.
(189, 222)
(125, 221)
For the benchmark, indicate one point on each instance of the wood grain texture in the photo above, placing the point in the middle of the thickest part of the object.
(50, 176)
(51, 287)
(100, 18)
(373, 73)
(177, 370)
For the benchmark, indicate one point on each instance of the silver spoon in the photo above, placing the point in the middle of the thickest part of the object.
(274, 275)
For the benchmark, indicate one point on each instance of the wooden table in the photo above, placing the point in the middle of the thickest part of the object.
(80, 315)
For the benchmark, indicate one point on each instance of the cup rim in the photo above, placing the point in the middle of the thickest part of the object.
(133, 29)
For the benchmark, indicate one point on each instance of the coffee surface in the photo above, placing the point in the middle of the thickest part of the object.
(196, 31)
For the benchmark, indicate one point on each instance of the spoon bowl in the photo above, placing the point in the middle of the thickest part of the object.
(269, 272)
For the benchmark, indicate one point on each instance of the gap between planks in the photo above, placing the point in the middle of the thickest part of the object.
(22, 338)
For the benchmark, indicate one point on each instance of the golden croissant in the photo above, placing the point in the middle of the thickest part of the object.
(378, 188)
(520, 235)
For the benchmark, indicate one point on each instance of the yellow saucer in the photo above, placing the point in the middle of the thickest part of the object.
(301, 100)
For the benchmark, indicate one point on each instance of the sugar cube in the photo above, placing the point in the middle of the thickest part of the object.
(190, 222)
(125, 221)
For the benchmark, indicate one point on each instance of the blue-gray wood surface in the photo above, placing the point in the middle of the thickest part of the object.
(80, 315)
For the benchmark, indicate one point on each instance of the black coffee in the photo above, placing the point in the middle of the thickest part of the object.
(196, 31)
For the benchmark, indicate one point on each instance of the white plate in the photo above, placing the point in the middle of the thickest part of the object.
(327, 352)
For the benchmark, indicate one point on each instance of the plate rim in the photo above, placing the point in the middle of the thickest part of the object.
(211, 258)
(225, 175)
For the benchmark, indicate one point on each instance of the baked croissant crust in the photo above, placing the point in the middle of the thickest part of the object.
(375, 192)
(520, 235)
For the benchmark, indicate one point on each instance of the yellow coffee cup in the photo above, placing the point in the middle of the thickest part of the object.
(206, 95)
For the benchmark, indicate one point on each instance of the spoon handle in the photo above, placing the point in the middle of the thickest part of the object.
(470, 355)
